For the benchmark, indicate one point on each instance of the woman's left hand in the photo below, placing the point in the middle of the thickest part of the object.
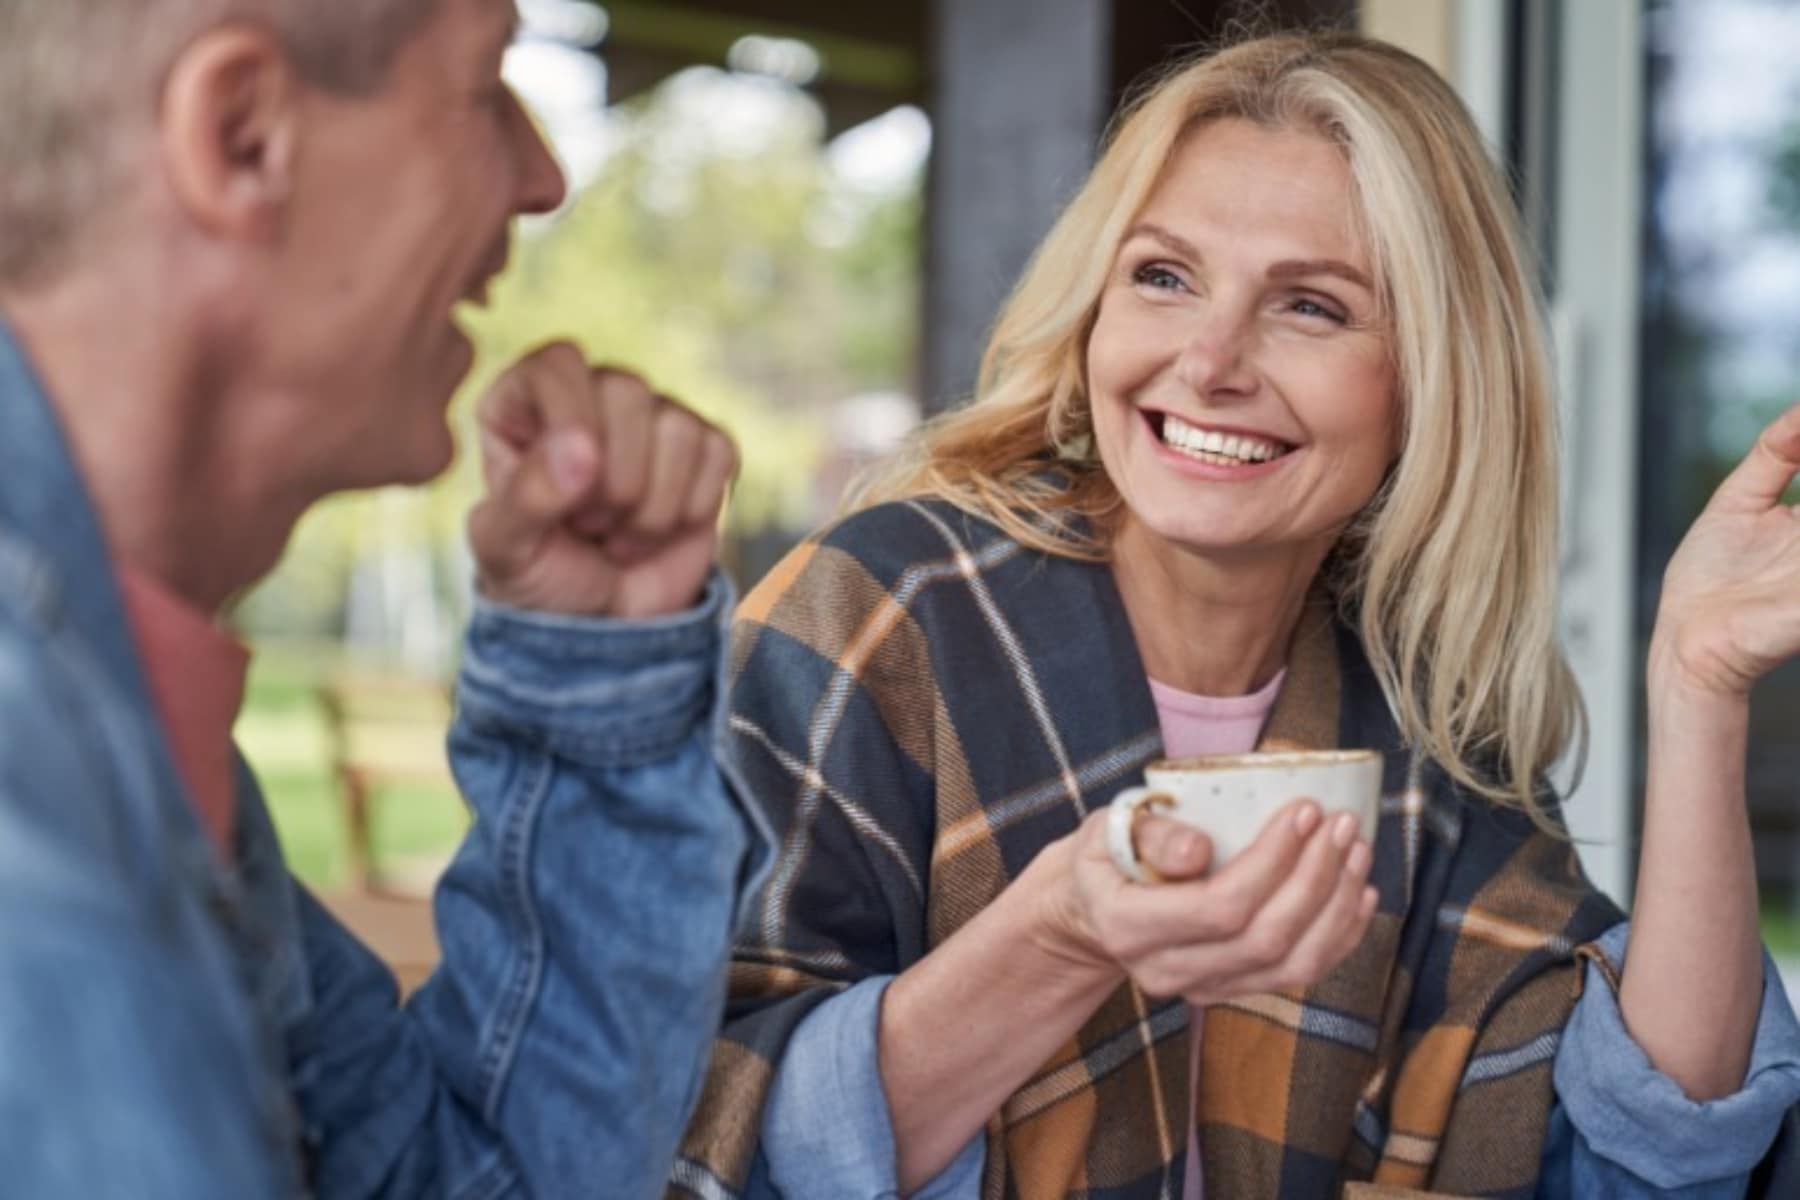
(1730, 614)
(1730, 610)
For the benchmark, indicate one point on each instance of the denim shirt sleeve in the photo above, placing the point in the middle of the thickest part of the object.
(827, 1133)
(1622, 1128)
(559, 1047)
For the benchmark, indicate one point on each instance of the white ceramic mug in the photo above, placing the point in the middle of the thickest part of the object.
(1229, 797)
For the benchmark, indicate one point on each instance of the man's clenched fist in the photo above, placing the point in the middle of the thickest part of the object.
(603, 498)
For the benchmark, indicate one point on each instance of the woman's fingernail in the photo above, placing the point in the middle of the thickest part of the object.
(1307, 819)
(1343, 831)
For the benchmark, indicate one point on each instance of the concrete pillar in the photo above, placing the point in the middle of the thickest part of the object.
(1020, 90)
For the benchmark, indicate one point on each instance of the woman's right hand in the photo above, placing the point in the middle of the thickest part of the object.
(1279, 916)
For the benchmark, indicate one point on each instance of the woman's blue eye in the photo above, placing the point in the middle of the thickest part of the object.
(1312, 308)
(1155, 276)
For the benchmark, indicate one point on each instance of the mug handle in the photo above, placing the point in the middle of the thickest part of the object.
(1121, 826)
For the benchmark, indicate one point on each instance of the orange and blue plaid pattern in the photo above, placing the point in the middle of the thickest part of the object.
(922, 705)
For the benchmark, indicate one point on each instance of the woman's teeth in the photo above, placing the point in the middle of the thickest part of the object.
(1219, 449)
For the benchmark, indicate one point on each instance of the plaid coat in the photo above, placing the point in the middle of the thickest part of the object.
(923, 705)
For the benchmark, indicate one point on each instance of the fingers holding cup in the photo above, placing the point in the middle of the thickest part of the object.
(1301, 897)
(1321, 932)
(1170, 850)
(1122, 818)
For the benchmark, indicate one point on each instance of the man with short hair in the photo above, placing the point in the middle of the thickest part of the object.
(232, 234)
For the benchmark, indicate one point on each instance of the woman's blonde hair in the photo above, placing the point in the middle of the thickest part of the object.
(1450, 574)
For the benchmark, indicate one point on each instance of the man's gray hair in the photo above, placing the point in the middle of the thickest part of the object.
(80, 81)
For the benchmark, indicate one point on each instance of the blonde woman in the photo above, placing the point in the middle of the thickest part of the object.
(1263, 455)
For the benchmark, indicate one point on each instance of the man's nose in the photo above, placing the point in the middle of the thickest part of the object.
(542, 187)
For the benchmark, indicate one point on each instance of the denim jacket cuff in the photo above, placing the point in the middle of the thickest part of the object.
(827, 1130)
(1635, 1116)
(605, 691)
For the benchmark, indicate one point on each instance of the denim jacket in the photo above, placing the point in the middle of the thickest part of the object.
(172, 1025)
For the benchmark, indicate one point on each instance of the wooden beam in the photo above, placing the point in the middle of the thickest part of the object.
(701, 33)
(896, 23)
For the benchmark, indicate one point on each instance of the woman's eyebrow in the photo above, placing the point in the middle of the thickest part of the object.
(1173, 241)
(1297, 268)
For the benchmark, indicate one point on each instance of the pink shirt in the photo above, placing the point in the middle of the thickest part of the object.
(195, 671)
(1192, 724)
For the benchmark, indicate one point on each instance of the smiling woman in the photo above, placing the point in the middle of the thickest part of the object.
(1240, 316)
(1300, 252)
(1262, 456)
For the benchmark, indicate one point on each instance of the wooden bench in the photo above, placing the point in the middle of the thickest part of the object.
(385, 731)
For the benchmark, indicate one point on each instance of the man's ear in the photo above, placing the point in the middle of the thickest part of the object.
(229, 131)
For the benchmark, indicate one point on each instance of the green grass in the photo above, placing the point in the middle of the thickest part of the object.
(1781, 931)
(406, 823)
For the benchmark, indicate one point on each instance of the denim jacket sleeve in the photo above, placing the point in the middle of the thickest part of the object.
(1622, 1128)
(827, 1133)
(559, 1047)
